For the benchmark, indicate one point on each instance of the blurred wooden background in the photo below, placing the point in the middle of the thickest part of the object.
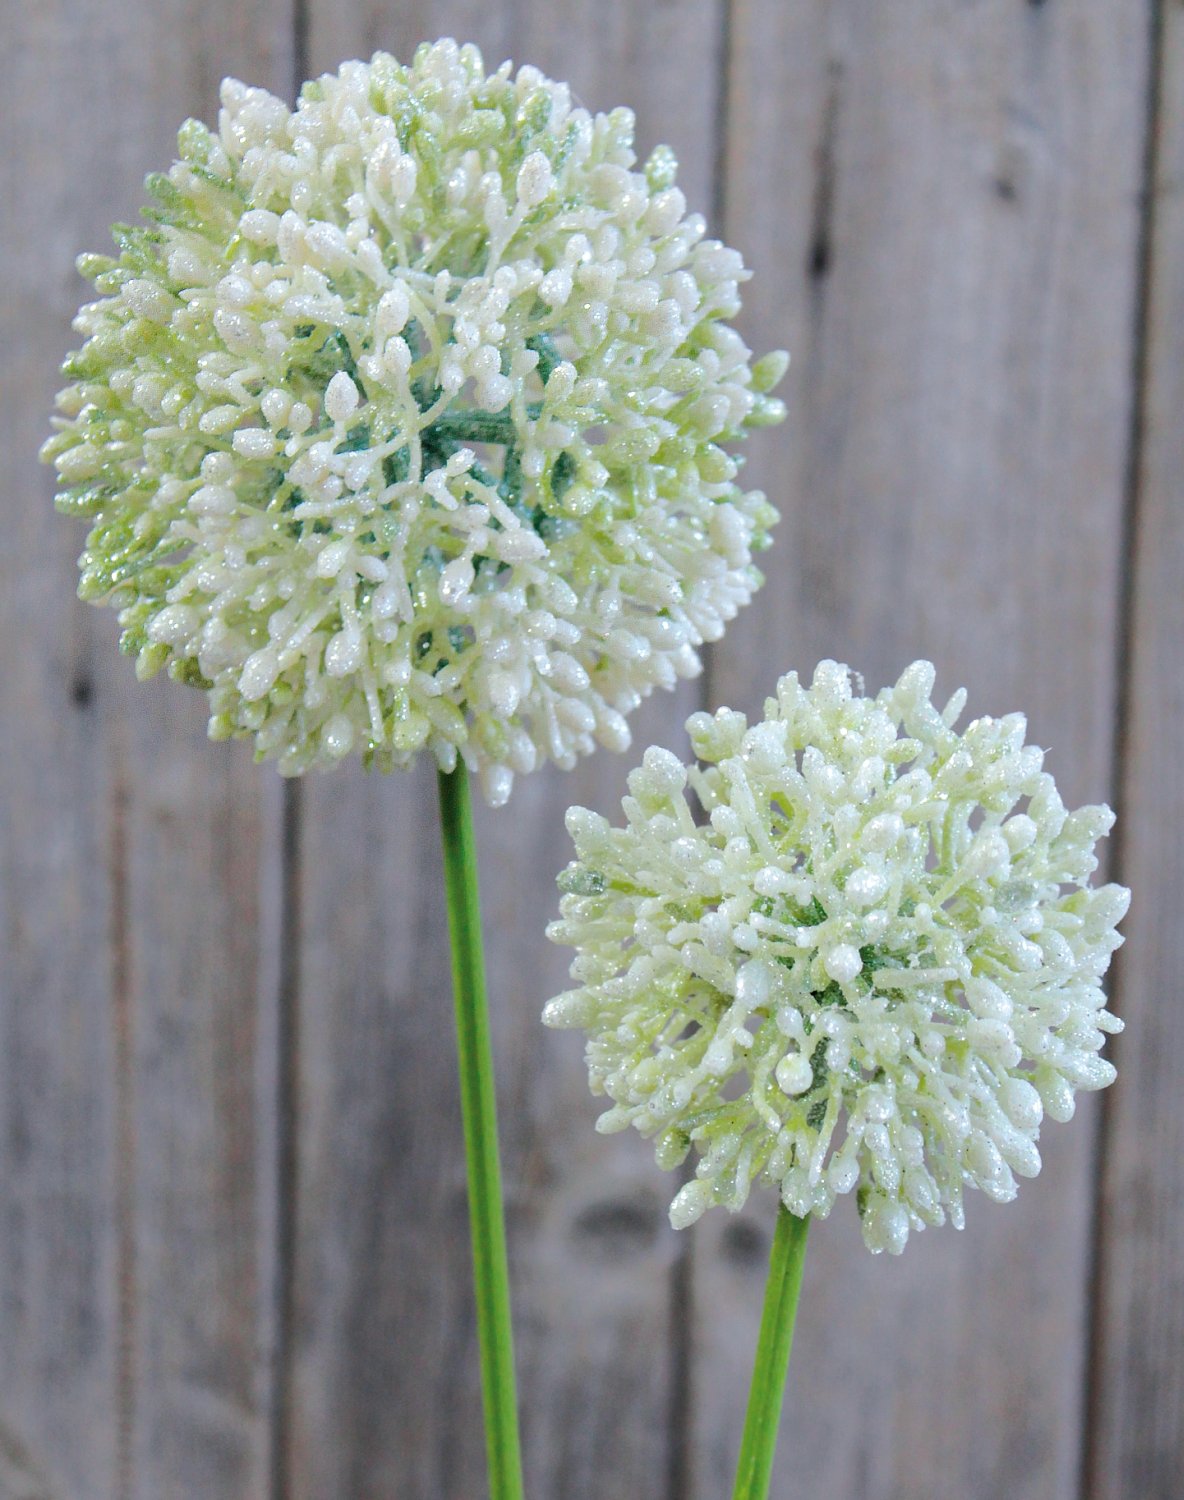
(232, 1225)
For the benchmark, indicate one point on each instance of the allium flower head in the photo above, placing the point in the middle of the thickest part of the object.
(402, 423)
(876, 966)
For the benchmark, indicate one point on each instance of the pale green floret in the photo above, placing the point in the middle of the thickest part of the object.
(875, 967)
(403, 424)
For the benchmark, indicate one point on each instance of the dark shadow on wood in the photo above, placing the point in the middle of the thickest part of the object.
(287, 1162)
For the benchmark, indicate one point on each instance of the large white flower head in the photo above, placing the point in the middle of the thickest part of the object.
(876, 966)
(403, 424)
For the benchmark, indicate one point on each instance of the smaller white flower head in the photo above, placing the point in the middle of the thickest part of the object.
(875, 967)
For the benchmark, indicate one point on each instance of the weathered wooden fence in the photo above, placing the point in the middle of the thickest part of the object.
(232, 1238)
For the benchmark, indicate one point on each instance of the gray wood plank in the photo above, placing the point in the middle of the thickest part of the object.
(941, 201)
(384, 1395)
(58, 1303)
(135, 1248)
(202, 827)
(1137, 1425)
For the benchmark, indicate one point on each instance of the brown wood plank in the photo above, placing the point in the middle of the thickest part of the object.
(384, 1397)
(941, 202)
(1137, 1422)
(136, 1244)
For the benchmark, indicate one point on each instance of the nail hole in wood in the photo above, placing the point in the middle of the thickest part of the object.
(820, 257)
(744, 1244)
(617, 1228)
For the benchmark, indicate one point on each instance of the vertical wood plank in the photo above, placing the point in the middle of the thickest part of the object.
(201, 835)
(942, 201)
(1137, 1426)
(135, 1250)
(384, 1395)
(58, 1304)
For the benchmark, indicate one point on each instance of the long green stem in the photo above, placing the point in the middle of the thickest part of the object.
(774, 1342)
(491, 1277)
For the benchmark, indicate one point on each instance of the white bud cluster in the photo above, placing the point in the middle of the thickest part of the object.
(876, 966)
(402, 428)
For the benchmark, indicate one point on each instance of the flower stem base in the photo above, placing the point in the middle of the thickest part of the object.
(759, 1443)
(491, 1277)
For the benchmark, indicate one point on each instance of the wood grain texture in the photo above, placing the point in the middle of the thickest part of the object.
(199, 830)
(381, 1260)
(1137, 1426)
(233, 1242)
(134, 1254)
(951, 187)
(58, 1303)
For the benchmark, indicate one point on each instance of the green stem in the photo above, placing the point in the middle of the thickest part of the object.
(491, 1277)
(774, 1342)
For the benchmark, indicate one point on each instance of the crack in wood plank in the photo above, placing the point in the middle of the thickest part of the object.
(287, 1162)
(125, 1132)
(1104, 1455)
(821, 253)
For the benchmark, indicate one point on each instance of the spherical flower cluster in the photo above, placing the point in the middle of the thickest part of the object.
(402, 422)
(876, 966)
